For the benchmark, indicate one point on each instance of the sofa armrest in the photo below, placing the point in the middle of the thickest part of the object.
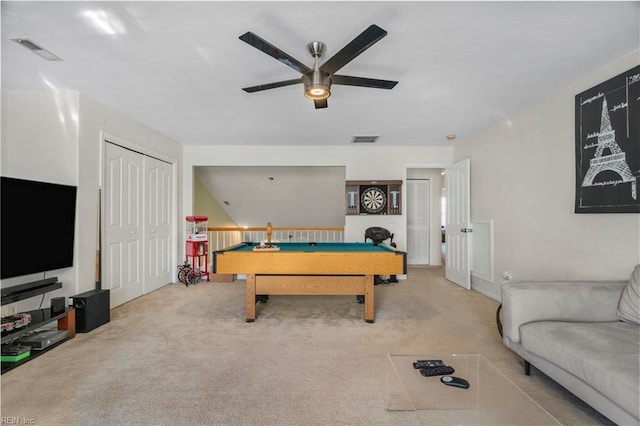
(578, 301)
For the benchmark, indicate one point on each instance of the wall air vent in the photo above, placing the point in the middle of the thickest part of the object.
(364, 139)
(25, 42)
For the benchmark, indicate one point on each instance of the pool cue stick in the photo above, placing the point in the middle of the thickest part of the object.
(98, 245)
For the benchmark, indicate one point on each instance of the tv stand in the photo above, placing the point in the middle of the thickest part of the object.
(39, 317)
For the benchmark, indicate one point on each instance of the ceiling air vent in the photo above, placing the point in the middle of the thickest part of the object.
(25, 42)
(364, 139)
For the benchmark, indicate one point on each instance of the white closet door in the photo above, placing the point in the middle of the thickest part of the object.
(157, 224)
(123, 189)
(418, 221)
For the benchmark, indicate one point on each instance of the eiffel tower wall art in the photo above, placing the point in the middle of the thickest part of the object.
(608, 146)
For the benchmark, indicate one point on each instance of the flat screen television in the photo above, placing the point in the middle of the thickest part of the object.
(37, 226)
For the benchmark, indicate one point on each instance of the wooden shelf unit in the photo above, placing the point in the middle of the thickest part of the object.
(392, 190)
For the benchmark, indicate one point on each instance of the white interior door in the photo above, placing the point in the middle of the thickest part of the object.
(458, 227)
(157, 224)
(418, 193)
(123, 187)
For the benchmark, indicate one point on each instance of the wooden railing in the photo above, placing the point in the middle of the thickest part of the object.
(220, 238)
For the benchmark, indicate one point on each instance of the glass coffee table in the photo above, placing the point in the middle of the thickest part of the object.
(491, 397)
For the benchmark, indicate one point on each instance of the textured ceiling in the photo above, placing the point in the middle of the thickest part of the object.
(179, 67)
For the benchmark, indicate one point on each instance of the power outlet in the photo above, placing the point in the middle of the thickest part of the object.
(506, 275)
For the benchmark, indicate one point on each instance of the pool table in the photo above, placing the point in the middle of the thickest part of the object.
(310, 268)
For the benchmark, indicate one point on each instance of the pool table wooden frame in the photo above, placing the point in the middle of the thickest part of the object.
(309, 273)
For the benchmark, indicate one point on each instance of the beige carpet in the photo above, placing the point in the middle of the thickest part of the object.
(186, 356)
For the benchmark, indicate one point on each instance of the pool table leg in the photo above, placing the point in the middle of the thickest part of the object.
(369, 315)
(251, 298)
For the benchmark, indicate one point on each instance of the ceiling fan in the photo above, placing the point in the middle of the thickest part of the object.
(318, 80)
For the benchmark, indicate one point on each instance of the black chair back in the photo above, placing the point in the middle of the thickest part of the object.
(377, 235)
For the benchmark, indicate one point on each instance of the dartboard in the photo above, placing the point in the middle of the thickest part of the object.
(373, 200)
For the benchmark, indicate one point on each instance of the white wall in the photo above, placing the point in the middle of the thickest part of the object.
(57, 136)
(523, 177)
(39, 142)
(360, 162)
(39, 135)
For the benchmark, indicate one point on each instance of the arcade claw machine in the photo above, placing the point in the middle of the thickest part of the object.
(197, 245)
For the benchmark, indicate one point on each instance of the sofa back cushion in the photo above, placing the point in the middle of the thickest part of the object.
(629, 305)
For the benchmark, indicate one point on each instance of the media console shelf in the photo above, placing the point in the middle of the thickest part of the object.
(39, 317)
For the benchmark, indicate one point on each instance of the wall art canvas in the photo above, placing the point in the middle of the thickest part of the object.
(608, 146)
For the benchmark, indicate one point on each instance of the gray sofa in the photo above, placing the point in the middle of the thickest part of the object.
(579, 334)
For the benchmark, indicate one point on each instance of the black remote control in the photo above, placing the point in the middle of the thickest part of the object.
(427, 363)
(455, 381)
(436, 371)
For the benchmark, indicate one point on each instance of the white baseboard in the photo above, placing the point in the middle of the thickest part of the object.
(486, 288)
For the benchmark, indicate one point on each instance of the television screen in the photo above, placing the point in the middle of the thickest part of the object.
(37, 226)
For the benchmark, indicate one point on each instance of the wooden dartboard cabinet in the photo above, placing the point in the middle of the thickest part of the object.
(373, 197)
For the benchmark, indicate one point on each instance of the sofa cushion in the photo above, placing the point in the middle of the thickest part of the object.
(604, 355)
(629, 305)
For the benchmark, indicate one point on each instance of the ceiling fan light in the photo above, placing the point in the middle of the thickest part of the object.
(316, 85)
(317, 91)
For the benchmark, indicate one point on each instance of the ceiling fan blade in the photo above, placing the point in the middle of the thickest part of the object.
(320, 103)
(260, 87)
(358, 45)
(271, 50)
(347, 80)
